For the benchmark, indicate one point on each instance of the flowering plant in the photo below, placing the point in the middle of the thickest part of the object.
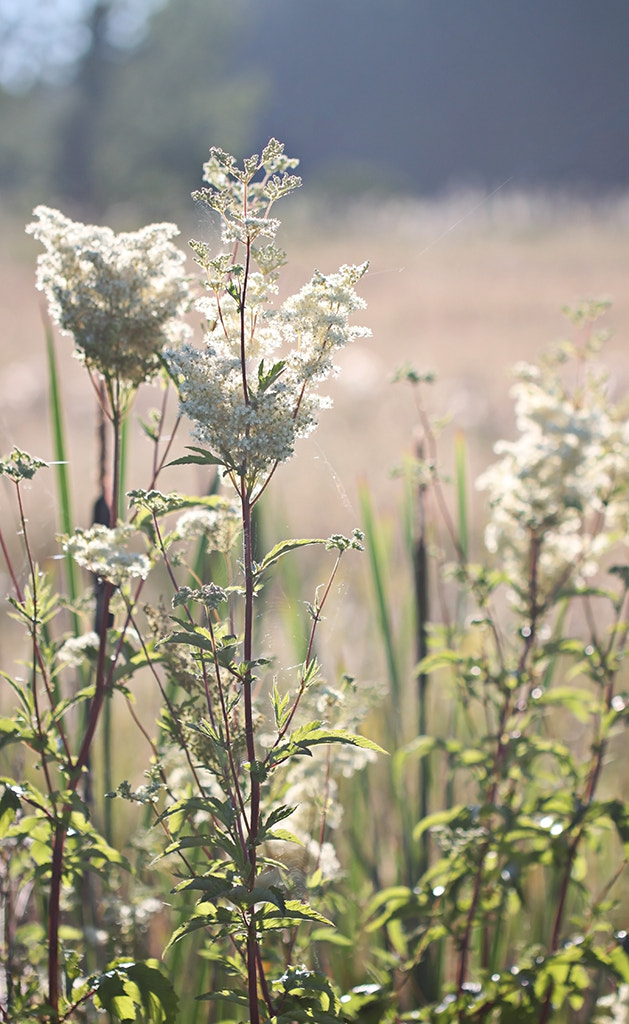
(518, 854)
(225, 767)
(215, 883)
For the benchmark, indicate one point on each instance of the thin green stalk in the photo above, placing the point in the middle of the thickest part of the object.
(61, 467)
(122, 477)
(377, 560)
(460, 460)
(422, 618)
(108, 826)
(252, 940)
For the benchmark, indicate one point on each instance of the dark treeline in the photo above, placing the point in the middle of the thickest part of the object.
(417, 96)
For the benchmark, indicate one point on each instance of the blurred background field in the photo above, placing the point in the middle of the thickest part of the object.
(454, 287)
(476, 154)
(464, 286)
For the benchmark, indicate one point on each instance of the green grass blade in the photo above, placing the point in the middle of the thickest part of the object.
(124, 453)
(66, 520)
(460, 456)
(377, 561)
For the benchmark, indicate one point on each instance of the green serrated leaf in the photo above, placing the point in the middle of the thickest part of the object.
(294, 910)
(281, 549)
(202, 458)
(214, 885)
(200, 640)
(266, 379)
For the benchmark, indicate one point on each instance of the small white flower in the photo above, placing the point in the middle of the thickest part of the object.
(104, 552)
(614, 1009)
(561, 486)
(220, 526)
(77, 648)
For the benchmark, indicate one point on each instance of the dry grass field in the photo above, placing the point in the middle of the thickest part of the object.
(463, 286)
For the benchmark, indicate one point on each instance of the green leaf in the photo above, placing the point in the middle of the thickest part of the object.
(9, 732)
(200, 639)
(438, 818)
(202, 458)
(185, 843)
(213, 885)
(193, 924)
(440, 659)
(580, 703)
(620, 963)
(281, 706)
(136, 991)
(9, 806)
(313, 734)
(181, 810)
(619, 814)
(622, 571)
(281, 549)
(20, 465)
(294, 910)
(265, 380)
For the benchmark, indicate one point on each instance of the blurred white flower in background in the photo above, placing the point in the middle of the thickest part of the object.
(558, 495)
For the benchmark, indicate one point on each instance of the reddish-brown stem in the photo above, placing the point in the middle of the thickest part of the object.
(239, 798)
(601, 747)
(9, 564)
(436, 479)
(162, 461)
(225, 717)
(266, 995)
(252, 839)
(100, 690)
(37, 659)
(316, 620)
(529, 639)
(167, 702)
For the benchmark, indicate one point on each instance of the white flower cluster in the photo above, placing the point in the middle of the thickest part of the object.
(120, 296)
(76, 649)
(614, 1009)
(220, 526)
(248, 403)
(317, 802)
(561, 487)
(250, 431)
(104, 552)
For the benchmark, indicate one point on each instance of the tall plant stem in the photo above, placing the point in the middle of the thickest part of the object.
(529, 640)
(252, 943)
(76, 767)
(600, 748)
(422, 618)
